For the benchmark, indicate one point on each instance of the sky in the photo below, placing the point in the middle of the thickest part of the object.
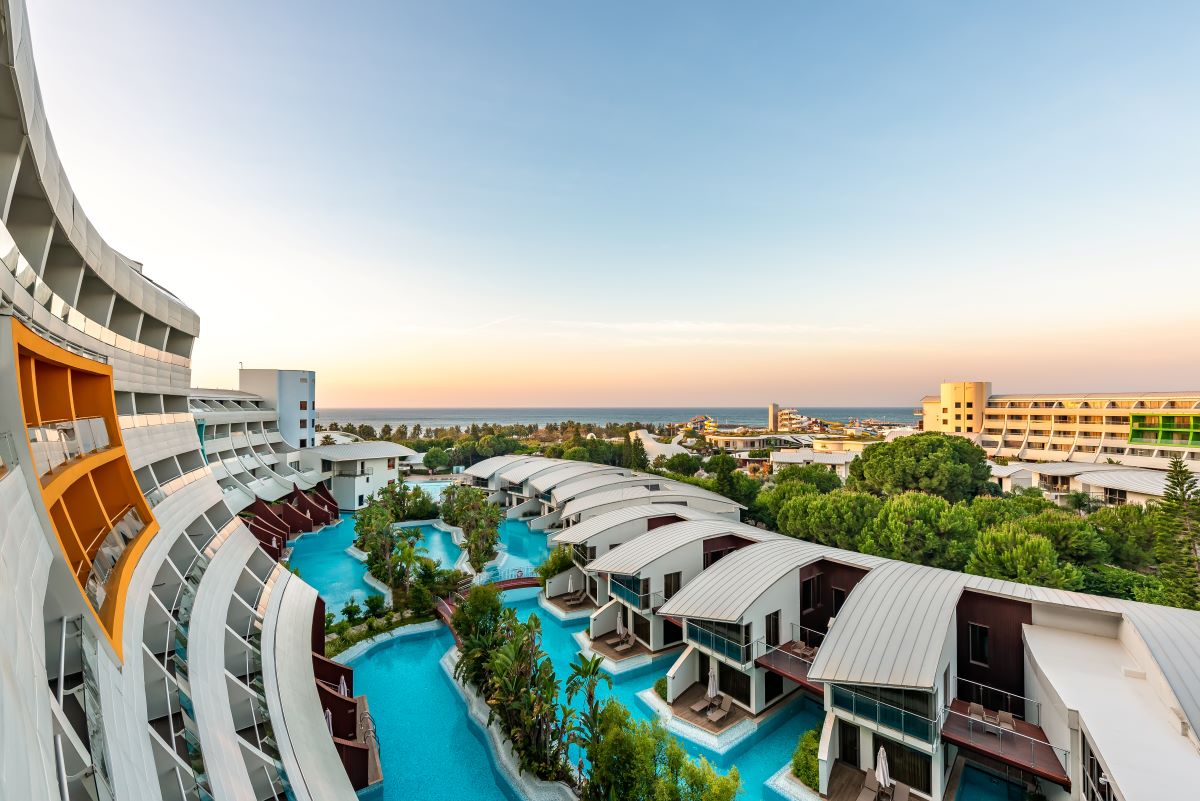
(471, 203)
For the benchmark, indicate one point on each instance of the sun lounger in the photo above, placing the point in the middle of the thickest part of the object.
(577, 600)
(717, 715)
(870, 782)
(866, 795)
(616, 640)
(625, 646)
(900, 791)
(702, 705)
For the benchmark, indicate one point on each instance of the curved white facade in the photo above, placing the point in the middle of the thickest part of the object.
(135, 632)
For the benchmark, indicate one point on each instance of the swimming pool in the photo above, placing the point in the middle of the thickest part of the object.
(434, 488)
(432, 751)
(323, 562)
(979, 785)
(520, 548)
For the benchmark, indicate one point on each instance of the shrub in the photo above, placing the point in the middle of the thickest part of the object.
(375, 603)
(557, 561)
(351, 610)
(804, 759)
(660, 687)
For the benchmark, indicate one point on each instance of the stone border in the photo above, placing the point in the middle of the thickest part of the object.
(558, 614)
(788, 787)
(363, 647)
(721, 743)
(504, 760)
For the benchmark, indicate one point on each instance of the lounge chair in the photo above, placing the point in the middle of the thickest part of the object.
(899, 791)
(617, 640)
(866, 795)
(1005, 721)
(702, 705)
(870, 782)
(717, 715)
(975, 711)
(576, 601)
(625, 646)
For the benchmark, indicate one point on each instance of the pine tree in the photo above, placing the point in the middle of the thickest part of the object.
(1176, 529)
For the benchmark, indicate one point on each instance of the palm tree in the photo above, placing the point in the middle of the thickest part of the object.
(587, 675)
(406, 558)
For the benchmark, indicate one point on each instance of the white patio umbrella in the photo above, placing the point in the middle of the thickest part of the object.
(881, 769)
(620, 625)
(713, 686)
(570, 584)
(329, 720)
(342, 688)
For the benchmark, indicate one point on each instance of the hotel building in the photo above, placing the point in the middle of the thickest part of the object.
(152, 648)
(1137, 429)
(1087, 697)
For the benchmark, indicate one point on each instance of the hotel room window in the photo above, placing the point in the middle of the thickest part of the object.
(304, 405)
(810, 593)
(839, 598)
(671, 583)
(772, 634)
(304, 424)
(303, 443)
(979, 651)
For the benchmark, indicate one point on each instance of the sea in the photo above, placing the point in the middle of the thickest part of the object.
(750, 416)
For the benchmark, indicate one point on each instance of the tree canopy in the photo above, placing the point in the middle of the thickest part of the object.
(939, 464)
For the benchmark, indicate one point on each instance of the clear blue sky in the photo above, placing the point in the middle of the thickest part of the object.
(671, 202)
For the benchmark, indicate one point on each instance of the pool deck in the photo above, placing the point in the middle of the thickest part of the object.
(588, 605)
(601, 647)
(681, 708)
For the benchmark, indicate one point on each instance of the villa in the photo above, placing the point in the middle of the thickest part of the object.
(1092, 697)
(355, 471)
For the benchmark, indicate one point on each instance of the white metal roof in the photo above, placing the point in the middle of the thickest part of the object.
(727, 589)
(1145, 482)
(1064, 468)
(359, 450)
(630, 557)
(1006, 470)
(567, 490)
(569, 472)
(520, 473)
(810, 456)
(488, 467)
(593, 526)
(669, 492)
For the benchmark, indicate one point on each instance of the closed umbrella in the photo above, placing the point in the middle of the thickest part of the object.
(342, 688)
(713, 686)
(570, 584)
(620, 625)
(881, 769)
(329, 720)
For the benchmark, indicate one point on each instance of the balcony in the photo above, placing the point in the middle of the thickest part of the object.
(792, 659)
(352, 472)
(738, 653)
(630, 596)
(1023, 745)
(907, 723)
(56, 443)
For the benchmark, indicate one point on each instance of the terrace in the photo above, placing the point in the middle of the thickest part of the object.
(793, 658)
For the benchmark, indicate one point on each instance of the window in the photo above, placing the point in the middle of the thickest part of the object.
(958, 429)
(958, 417)
(810, 593)
(944, 410)
(304, 406)
(958, 404)
(391, 481)
(772, 634)
(671, 583)
(303, 443)
(391, 464)
(980, 653)
(839, 598)
(970, 404)
(304, 423)
(970, 417)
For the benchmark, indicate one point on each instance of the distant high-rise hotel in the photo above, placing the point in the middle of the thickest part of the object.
(1139, 429)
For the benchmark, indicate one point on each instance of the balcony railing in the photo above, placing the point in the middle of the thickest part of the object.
(124, 532)
(353, 472)
(881, 713)
(635, 599)
(54, 444)
(742, 654)
(1030, 752)
(999, 700)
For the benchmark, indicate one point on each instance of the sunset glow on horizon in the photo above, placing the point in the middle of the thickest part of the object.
(469, 204)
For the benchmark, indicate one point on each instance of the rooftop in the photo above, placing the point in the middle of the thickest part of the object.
(360, 450)
(582, 532)
(630, 557)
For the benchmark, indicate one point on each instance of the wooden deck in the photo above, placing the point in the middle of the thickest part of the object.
(787, 662)
(682, 710)
(845, 782)
(600, 645)
(558, 603)
(1030, 752)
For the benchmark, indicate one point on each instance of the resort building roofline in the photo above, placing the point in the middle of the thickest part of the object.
(630, 557)
(581, 532)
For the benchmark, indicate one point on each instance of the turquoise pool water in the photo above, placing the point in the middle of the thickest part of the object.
(979, 785)
(521, 549)
(434, 488)
(323, 562)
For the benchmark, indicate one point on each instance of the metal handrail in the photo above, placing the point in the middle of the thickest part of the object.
(1027, 709)
(907, 723)
(720, 645)
(1019, 745)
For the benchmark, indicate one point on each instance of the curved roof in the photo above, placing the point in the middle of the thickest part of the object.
(670, 491)
(520, 473)
(727, 589)
(570, 471)
(360, 450)
(571, 489)
(582, 532)
(489, 466)
(630, 557)
(1146, 482)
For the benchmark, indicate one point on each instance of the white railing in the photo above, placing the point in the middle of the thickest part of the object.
(993, 698)
(56, 443)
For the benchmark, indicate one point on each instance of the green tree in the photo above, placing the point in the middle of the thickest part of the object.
(436, 459)
(805, 766)
(386, 431)
(920, 528)
(1127, 532)
(1008, 551)
(327, 440)
(586, 677)
(836, 519)
(771, 500)
(720, 464)
(351, 610)
(989, 510)
(1176, 527)
(939, 464)
(683, 463)
(824, 479)
(375, 603)
(576, 454)
(637, 454)
(1072, 536)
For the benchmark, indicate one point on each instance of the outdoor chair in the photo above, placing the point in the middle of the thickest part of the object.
(616, 640)
(1005, 720)
(702, 705)
(625, 646)
(717, 715)
(866, 795)
(870, 782)
(975, 711)
(577, 600)
(900, 791)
